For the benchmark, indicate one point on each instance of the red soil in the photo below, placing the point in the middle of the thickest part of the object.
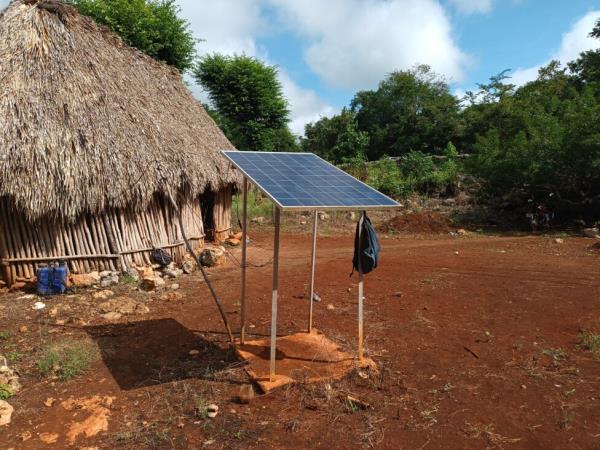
(477, 341)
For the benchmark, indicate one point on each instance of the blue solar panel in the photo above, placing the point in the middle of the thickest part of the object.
(305, 181)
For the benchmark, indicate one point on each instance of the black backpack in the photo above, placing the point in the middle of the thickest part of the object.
(366, 252)
(160, 257)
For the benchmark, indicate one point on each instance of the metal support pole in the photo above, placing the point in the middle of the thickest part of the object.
(244, 245)
(274, 299)
(312, 271)
(360, 295)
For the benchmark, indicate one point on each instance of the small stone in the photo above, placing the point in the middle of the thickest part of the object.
(212, 410)
(6, 411)
(105, 273)
(349, 289)
(39, 305)
(593, 233)
(461, 232)
(23, 329)
(211, 257)
(112, 315)
(233, 242)
(171, 296)
(174, 286)
(237, 236)
(351, 215)
(25, 435)
(53, 312)
(103, 295)
(398, 294)
(523, 386)
(49, 402)
(259, 219)
(330, 306)
(188, 266)
(48, 438)
(142, 309)
(559, 241)
(172, 273)
(194, 352)
(84, 279)
(323, 216)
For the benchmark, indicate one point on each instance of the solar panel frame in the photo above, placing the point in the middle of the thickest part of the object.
(268, 186)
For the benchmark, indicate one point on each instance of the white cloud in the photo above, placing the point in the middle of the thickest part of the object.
(232, 26)
(472, 6)
(353, 44)
(573, 42)
(4, 4)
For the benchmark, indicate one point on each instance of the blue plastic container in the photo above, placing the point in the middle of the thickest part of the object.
(44, 286)
(59, 278)
(52, 280)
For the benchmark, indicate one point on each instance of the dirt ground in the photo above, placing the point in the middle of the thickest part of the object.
(476, 338)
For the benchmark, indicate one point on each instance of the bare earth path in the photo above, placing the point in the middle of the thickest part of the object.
(476, 338)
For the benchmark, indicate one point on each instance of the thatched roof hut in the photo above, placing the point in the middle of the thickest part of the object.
(90, 127)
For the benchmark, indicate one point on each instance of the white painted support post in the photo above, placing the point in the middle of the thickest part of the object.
(274, 299)
(244, 246)
(360, 295)
(312, 271)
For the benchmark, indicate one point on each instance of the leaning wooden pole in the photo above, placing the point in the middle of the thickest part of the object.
(197, 259)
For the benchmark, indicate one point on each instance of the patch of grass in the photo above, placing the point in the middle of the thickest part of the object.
(4, 335)
(200, 407)
(5, 392)
(258, 206)
(557, 354)
(126, 278)
(590, 341)
(14, 355)
(66, 359)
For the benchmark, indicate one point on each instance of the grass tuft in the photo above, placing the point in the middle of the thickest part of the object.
(590, 341)
(5, 392)
(66, 359)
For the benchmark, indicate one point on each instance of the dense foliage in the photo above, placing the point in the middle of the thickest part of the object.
(248, 102)
(535, 139)
(152, 26)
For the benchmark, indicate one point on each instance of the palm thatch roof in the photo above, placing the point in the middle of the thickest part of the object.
(87, 122)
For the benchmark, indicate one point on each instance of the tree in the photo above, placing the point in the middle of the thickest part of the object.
(336, 139)
(249, 100)
(152, 26)
(596, 31)
(410, 110)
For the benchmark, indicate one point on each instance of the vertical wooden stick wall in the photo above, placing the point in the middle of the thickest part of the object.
(113, 240)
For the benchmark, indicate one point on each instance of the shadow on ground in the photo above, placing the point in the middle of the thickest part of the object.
(152, 352)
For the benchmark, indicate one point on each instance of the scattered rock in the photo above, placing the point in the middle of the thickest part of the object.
(194, 352)
(105, 273)
(23, 329)
(48, 438)
(237, 236)
(152, 283)
(398, 294)
(351, 215)
(133, 273)
(109, 281)
(172, 272)
(5, 412)
(189, 264)
(49, 402)
(171, 296)
(112, 316)
(174, 286)
(84, 279)
(323, 216)
(25, 435)
(593, 233)
(103, 295)
(316, 297)
(211, 257)
(94, 419)
(259, 220)
(234, 242)
(122, 306)
(462, 232)
(9, 377)
(212, 410)
(28, 297)
(330, 306)
(559, 241)
(39, 305)
(246, 394)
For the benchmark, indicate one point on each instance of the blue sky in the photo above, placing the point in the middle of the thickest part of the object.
(327, 50)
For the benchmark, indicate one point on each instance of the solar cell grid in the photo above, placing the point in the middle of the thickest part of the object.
(305, 181)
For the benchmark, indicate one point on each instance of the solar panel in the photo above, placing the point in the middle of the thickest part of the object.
(303, 181)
